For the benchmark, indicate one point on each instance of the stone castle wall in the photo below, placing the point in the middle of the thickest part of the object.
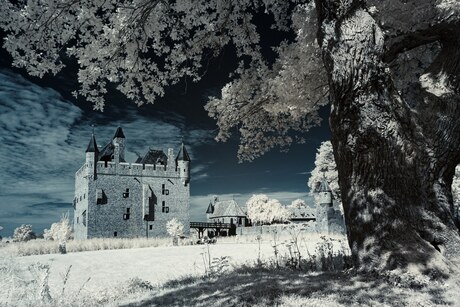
(121, 214)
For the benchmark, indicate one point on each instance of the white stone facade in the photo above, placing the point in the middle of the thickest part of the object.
(119, 199)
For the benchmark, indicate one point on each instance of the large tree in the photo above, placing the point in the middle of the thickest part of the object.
(389, 68)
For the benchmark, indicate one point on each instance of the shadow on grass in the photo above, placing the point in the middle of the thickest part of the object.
(267, 287)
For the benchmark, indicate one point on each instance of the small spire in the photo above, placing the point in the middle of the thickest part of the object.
(119, 133)
(183, 154)
(92, 146)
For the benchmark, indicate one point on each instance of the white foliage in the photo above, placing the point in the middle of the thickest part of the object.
(23, 233)
(60, 231)
(325, 166)
(175, 228)
(298, 204)
(263, 210)
(143, 46)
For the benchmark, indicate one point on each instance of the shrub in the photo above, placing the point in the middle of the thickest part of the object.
(60, 231)
(23, 233)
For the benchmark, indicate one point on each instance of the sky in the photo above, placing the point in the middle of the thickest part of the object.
(44, 132)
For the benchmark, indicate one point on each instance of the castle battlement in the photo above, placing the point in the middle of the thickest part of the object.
(136, 169)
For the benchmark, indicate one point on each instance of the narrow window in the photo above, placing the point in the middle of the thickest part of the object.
(115, 234)
(150, 227)
(126, 215)
(164, 191)
(101, 198)
(84, 217)
(164, 209)
(78, 219)
(126, 193)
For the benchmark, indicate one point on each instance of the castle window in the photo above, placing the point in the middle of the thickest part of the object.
(150, 227)
(84, 196)
(80, 197)
(164, 209)
(126, 215)
(164, 191)
(101, 198)
(84, 217)
(126, 193)
(115, 233)
(78, 219)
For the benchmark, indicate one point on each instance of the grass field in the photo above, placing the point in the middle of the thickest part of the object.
(234, 272)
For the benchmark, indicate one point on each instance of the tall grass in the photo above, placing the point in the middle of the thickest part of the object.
(40, 246)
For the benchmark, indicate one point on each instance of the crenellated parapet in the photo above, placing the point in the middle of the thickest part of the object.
(137, 169)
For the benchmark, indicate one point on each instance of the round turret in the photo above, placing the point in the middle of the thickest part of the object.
(119, 139)
(183, 165)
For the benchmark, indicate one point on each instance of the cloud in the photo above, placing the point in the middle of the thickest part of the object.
(43, 140)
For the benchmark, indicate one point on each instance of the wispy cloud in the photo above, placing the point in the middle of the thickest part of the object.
(43, 141)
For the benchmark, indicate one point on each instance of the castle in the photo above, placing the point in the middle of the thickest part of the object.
(114, 198)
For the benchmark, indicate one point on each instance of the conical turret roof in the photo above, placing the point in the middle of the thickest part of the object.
(119, 133)
(183, 154)
(92, 146)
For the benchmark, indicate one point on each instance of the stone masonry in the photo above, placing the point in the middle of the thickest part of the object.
(114, 198)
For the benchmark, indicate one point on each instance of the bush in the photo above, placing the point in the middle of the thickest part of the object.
(24, 233)
(60, 231)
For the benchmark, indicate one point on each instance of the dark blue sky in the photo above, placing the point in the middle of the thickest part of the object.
(44, 132)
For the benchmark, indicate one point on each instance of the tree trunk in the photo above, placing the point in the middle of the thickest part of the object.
(395, 163)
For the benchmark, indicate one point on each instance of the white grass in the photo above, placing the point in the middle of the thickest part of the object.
(186, 276)
(41, 246)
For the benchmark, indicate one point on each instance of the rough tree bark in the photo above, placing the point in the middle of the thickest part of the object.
(396, 160)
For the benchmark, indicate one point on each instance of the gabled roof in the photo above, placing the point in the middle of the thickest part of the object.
(183, 154)
(210, 209)
(92, 146)
(107, 152)
(153, 157)
(227, 208)
(119, 133)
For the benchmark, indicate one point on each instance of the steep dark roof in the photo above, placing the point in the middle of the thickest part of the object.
(106, 152)
(153, 157)
(227, 208)
(210, 209)
(183, 154)
(119, 133)
(92, 146)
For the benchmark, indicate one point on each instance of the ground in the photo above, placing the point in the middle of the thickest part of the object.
(242, 273)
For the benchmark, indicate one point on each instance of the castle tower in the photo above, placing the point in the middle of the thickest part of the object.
(323, 206)
(119, 143)
(92, 153)
(183, 165)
